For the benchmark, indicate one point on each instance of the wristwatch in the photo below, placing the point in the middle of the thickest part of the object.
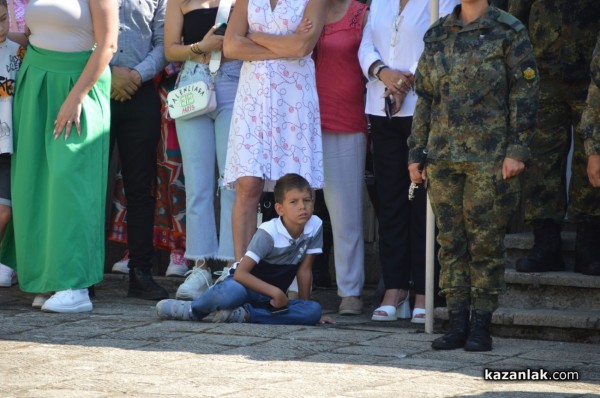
(378, 70)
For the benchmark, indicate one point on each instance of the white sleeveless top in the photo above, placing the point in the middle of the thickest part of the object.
(60, 25)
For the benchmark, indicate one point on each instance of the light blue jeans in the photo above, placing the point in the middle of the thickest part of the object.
(200, 139)
(230, 294)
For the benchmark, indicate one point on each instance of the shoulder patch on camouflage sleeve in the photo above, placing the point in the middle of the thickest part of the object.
(529, 73)
(510, 20)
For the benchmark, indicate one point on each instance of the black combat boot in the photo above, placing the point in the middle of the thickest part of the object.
(142, 285)
(546, 254)
(587, 247)
(456, 336)
(479, 335)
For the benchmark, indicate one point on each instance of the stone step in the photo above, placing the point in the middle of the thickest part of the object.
(562, 306)
(551, 290)
(519, 244)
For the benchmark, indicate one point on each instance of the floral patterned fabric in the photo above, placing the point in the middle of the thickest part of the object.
(276, 126)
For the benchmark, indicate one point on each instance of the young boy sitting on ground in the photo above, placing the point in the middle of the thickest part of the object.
(255, 289)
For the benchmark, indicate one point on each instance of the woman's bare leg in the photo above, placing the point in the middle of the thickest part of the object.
(247, 196)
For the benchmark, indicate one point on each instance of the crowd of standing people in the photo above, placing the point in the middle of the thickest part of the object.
(488, 98)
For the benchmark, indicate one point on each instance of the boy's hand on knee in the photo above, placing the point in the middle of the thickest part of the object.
(279, 300)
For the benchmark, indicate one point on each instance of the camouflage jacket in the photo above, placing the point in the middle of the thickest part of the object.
(478, 88)
(590, 121)
(563, 34)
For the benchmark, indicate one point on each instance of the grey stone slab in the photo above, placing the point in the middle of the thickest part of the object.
(319, 333)
(561, 354)
(205, 343)
(264, 331)
(281, 350)
(378, 351)
(426, 363)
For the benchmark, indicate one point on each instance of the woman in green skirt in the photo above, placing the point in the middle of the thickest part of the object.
(59, 165)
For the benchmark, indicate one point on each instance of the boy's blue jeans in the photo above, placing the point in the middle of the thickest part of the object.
(230, 294)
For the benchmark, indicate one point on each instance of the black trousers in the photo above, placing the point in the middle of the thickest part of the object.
(135, 127)
(402, 222)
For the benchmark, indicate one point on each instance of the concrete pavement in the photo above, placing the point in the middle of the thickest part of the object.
(122, 349)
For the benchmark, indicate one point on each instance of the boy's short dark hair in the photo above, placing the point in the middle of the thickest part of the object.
(288, 182)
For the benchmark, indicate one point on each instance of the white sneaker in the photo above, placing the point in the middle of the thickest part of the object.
(8, 276)
(197, 282)
(39, 300)
(122, 266)
(68, 301)
(178, 265)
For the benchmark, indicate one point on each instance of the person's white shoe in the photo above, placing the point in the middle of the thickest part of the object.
(122, 266)
(198, 280)
(39, 300)
(178, 265)
(8, 276)
(71, 300)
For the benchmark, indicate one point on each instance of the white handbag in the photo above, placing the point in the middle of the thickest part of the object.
(192, 100)
(198, 98)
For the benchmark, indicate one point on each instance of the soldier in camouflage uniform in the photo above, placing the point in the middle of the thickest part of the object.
(477, 83)
(588, 233)
(563, 34)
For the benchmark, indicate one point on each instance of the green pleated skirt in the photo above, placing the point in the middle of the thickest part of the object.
(56, 241)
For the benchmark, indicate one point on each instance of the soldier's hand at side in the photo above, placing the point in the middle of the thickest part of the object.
(512, 167)
(415, 175)
(593, 170)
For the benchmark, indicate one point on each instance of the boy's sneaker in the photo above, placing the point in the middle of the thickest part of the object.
(197, 282)
(8, 276)
(71, 300)
(236, 315)
(122, 266)
(178, 265)
(178, 310)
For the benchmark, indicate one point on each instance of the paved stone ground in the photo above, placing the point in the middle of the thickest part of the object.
(122, 350)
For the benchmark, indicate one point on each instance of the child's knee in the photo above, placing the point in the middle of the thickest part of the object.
(313, 312)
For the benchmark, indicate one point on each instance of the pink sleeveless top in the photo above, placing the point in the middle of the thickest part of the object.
(340, 82)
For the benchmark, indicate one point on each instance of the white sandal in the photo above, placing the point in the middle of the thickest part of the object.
(387, 313)
(418, 316)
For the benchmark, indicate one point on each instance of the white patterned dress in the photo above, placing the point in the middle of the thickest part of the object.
(276, 126)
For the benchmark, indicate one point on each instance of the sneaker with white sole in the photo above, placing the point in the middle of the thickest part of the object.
(236, 315)
(8, 276)
(68, 301)
(39, 300)
(122, 266)
(178, 310)
(198, 280)
(178, 265)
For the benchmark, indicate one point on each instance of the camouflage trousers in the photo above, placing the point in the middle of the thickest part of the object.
(544, 181)
(472, 206)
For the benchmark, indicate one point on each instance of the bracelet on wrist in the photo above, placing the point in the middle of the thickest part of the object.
(195, 49)
(378, 71)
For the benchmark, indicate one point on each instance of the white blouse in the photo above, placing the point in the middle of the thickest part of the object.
(60, 25)
(397, 41)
